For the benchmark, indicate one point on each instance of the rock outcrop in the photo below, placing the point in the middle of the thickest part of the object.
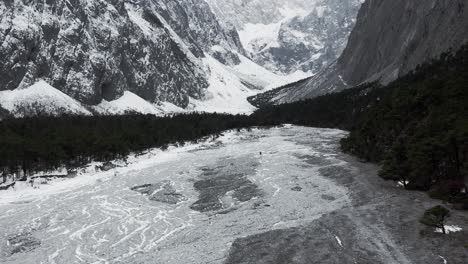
(290, 36)
(389, 40)
(97, 50)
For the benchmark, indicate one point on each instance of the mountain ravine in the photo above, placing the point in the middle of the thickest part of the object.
(390, 39)
(294, 36)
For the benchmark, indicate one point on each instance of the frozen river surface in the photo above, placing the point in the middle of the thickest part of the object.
(216, 202)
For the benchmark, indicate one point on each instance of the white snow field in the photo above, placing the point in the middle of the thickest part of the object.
(97, 218)
(230, 86)
(40, 98)
(132, 103)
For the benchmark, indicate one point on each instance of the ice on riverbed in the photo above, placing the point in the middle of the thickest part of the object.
(90, 174)
(95, 217)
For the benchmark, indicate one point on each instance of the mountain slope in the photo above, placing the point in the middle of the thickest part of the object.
(242, 12)
(291, 36)
(40, 99)
(95, 51)
(389, 40)
(128, 103)
(416, 126)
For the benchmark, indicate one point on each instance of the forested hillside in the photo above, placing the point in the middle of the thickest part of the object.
(419, 129)
(339, 110)
(416, 127)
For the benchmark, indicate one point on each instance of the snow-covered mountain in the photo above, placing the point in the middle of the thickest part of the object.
(109, 54)
(390, 39)
(159, 56)
(293, 36)
(243, 12)
(38, 99)
(94, 50)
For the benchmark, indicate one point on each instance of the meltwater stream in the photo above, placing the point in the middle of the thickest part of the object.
(186, 208)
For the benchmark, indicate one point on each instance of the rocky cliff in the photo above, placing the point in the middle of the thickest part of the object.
(294, 35)
(311, 42)
(390, 39)
(97, 50)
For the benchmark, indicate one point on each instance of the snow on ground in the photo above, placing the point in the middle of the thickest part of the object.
(255, 36)
(40, 98)
(169, 108)
(97, 218)
(257, 75)
(226, 93)
(449, 229)
(127, 103)
(339, 241)
(290, 10)
(230, 86)
(316, 199)
(90, 174)
(443, 259)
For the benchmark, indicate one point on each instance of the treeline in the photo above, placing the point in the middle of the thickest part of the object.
(339, 110)
(264, 99)
(45, 143)
(416, 127)
(418, 131)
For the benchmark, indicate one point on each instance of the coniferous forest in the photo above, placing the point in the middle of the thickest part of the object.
(416, 128)
(45, 143)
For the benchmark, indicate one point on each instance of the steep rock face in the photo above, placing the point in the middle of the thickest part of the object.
(310, 43)
(242, 12)
(94, 50)
(194, 22)
(294, 35)
(390, 39)
(387, 44)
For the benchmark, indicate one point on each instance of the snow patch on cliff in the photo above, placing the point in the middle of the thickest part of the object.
(128, 103)
(40, 99)
(226, 93)
(255, 37)
(262, 78)
(231, 86)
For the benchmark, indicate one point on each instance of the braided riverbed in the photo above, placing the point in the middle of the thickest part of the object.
(282, 195)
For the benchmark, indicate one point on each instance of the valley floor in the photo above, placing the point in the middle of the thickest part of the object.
(283, 195)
